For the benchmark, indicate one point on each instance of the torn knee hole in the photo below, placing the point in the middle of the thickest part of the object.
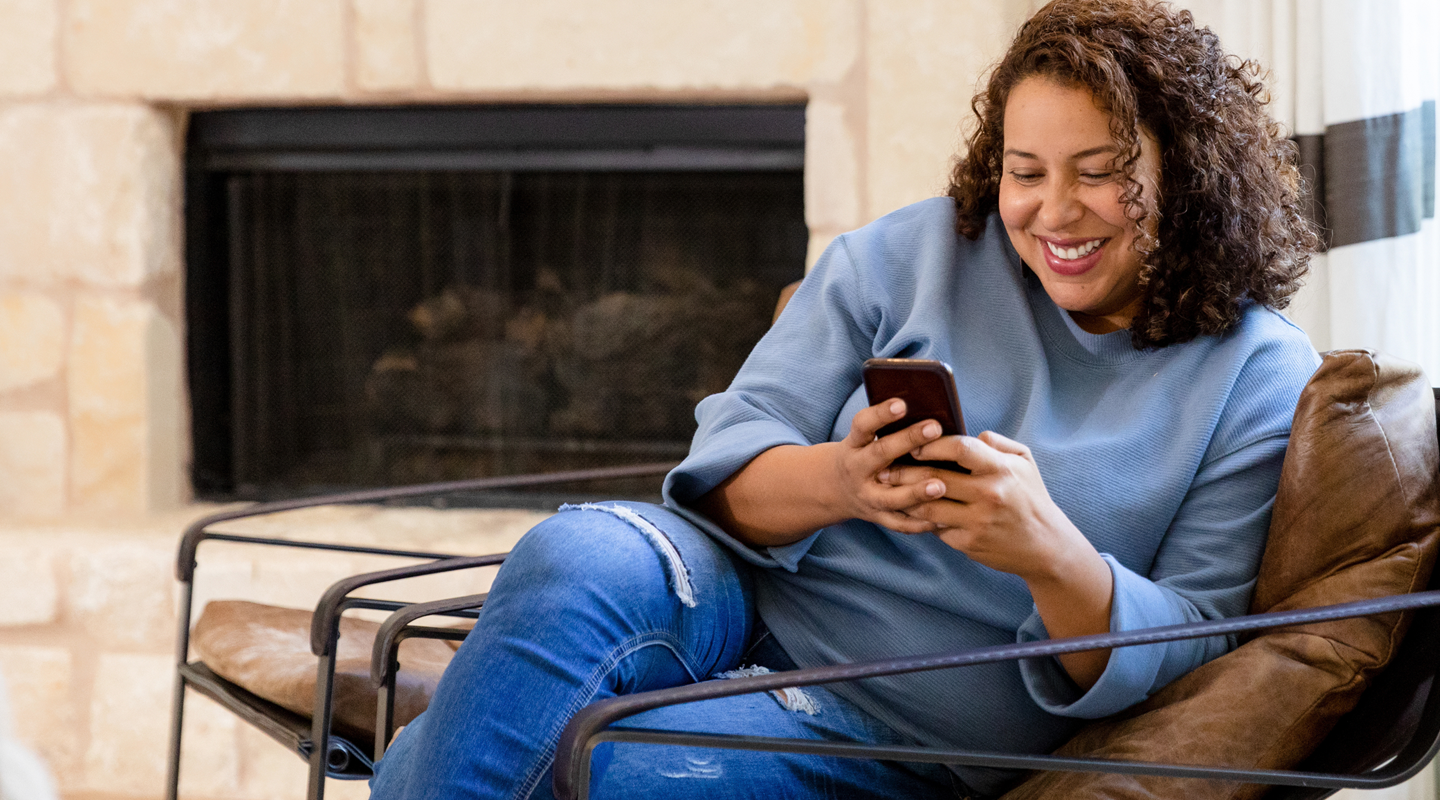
(675, 570)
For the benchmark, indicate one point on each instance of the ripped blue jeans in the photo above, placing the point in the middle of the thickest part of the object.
(618, 598)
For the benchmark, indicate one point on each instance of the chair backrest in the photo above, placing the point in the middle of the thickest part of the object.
(1398, 717)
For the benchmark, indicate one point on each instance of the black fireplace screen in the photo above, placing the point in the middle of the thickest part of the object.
(387, 326)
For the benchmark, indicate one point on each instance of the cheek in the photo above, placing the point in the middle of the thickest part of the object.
(1016, 209)
(1108, 207)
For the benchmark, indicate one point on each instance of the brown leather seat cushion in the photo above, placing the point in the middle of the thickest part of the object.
(1356, 517)
(266, 650)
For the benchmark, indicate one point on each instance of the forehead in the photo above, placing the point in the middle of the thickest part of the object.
(1054, 117)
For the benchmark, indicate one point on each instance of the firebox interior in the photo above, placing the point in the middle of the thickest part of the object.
(500, 291)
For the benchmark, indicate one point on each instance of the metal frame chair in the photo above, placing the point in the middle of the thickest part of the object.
(1390, 736)
(312, 739)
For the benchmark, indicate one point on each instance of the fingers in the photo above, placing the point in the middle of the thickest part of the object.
(952, 485)
(889, 504)
(868, 421)
(899, 443)
(900, 522)
(976, 454)
(896, 496)
(967, 451)
(939, 515)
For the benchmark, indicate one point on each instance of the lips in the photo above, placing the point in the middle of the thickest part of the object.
(1072, 266)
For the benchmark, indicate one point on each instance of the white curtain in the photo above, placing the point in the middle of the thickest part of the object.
(1356, 82)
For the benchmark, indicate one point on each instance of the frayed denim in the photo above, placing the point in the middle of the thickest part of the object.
(618, 598)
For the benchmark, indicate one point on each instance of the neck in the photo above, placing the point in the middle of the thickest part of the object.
(1102, 324)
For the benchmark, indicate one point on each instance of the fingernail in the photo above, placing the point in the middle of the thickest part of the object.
(932, 430)
(884, 475)
(934, 488)
(897, 408)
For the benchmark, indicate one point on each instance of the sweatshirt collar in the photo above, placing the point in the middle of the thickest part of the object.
(1061, 332)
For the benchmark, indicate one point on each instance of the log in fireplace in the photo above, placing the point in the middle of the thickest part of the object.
(388, 295)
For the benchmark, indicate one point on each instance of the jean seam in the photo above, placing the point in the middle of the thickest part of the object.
(587, 693)
(735, 598)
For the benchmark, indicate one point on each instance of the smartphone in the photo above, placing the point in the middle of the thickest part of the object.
(928, 389)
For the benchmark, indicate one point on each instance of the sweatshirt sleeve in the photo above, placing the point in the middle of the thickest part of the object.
(1205, 569)
(789, 391)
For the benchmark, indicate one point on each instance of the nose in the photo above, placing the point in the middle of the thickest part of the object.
(1060, 208)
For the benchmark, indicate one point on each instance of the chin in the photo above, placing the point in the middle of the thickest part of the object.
(1069, 301)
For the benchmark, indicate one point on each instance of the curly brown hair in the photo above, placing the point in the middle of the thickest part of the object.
(1229, 223)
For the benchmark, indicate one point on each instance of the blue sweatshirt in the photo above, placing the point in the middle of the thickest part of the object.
(1167, 460)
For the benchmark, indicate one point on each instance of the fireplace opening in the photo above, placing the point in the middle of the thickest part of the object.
(387, 296)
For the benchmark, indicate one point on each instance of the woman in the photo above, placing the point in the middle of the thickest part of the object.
(1103, 279)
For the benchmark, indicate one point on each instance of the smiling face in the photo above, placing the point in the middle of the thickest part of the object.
(1060, 201)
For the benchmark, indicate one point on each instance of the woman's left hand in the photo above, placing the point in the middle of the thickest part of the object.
(1000, 514)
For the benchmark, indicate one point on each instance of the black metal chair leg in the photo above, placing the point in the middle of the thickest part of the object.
(177, 705)
(385, 710)
(385, 654)
(320, 726)
(177, 718)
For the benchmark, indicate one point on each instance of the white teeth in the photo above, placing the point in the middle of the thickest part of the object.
(1072, 253)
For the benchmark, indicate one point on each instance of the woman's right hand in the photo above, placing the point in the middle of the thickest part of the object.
(862, 464)
(790, 491)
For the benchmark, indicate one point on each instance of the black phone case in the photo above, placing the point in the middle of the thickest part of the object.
(928, 389)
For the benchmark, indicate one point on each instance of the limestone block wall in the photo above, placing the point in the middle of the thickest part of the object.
(94, 101)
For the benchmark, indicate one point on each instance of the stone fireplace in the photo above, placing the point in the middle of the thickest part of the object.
(98, 99)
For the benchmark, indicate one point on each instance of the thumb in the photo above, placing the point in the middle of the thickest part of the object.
(1005, 445)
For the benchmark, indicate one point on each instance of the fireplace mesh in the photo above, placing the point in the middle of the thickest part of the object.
(395, 327)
